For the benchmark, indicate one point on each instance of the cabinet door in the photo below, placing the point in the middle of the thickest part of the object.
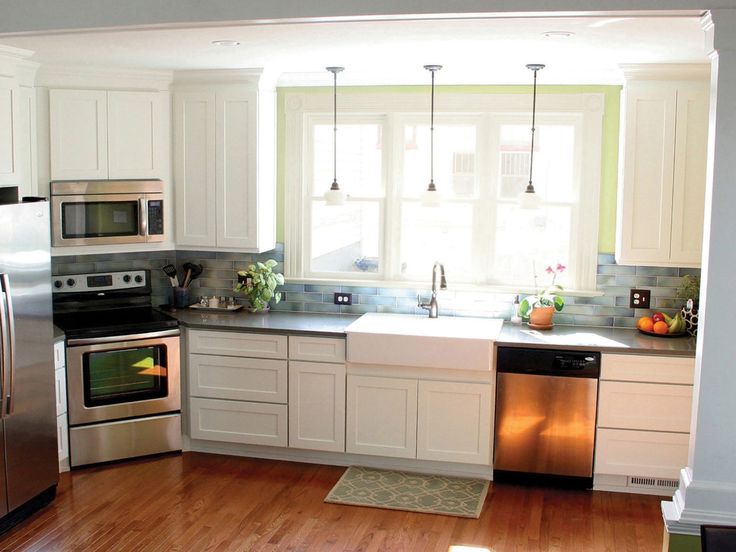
(454, 422)
(194, 168)
(317, 406)
(381, 416)
(317, 349)
(78, 129)
(237, 344)
(236, 122)
(62, 442)
(137, 134)
(688, 195)
(647, 172)
(8, 132)
(238, 378)
(238, 422)
(60, 377)
(640, 453)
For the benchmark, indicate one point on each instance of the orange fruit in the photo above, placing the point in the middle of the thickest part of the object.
(661, 327)
(645, 323)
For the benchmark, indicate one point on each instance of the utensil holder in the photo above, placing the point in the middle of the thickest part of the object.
(181, 297)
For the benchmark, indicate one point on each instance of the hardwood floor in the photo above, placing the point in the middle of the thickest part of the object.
(200, 502)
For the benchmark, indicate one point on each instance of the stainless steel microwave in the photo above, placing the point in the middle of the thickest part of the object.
(104, 212)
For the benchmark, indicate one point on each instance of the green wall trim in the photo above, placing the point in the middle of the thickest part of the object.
(609, 142)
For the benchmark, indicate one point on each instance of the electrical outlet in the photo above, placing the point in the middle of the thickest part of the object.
(640, 299)
(343, 299)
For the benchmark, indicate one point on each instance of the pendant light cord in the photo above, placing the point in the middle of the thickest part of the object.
(534, 67)
(334, 130)
(431, 137)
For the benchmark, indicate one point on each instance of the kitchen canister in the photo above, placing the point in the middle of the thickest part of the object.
(182, 297)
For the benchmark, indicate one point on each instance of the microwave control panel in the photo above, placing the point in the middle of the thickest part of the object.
(155, 217)
(105, 281)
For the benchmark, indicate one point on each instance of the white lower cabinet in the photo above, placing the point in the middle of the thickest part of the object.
(382, 416)
(62, 423)
(423, 419)
(62, 438)
(643, 422)
(238, 422)
(317, 405)
(454, 422)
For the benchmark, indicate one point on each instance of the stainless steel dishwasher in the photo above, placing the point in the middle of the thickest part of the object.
(545, 414)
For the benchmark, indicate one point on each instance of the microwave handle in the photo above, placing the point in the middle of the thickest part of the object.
(143, 217)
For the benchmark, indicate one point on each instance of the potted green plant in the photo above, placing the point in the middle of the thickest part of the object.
(258, 283)
(689, 291)
(538, 309)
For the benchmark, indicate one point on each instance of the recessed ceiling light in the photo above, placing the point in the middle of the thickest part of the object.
(226, 43)
(558, 34)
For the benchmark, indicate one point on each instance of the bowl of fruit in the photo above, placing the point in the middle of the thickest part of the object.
(661, 324)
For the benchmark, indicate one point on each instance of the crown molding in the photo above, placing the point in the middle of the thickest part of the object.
(666, 71)
(256, 76)
(107, 78)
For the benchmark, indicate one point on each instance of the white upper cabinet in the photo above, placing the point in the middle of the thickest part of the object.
(17, 117)
(662, 166)
(224, 159)
(98, 134)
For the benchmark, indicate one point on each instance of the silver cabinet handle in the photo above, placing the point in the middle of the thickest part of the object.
(10, 345)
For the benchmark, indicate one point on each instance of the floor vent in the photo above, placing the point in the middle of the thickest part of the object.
(654, 483)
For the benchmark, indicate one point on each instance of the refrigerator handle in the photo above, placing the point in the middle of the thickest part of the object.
(3, 351)
(9, 346)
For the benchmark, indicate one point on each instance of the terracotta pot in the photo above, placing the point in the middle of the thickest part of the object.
(541, 316)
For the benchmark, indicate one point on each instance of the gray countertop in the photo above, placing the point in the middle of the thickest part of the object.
(618, 340)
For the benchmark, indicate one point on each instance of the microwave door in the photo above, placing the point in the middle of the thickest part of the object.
(98, 219)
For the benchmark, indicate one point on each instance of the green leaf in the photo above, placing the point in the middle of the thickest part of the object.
(267, 295)
(270, 263)
(559, 302)
(280, 279)
(277, 298)
(525, 306)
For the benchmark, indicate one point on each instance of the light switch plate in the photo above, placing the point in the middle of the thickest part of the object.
(640, 299)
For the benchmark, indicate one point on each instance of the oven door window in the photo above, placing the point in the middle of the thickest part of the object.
(99, 219)
(125, 375)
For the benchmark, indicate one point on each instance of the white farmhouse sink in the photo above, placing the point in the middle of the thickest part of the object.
(414, 340)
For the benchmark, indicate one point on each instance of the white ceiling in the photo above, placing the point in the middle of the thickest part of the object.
(475, 50)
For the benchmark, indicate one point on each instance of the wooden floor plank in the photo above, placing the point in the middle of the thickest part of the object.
(201, 502)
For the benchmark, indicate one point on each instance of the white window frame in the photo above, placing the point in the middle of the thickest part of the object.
(301, 107)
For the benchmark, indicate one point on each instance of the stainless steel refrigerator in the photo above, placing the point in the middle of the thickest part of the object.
(29, 469)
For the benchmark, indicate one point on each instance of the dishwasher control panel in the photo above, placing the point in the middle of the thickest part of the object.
(551, 362)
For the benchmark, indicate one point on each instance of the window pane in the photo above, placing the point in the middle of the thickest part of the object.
(525, 237)
(442, 234)
(345, 238)
(554, 152)
(359, 169)
(454, 159)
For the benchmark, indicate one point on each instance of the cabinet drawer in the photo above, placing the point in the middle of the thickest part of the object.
(62, 438)
(238, 422)
(59, 355)
(654, 369)
(238, 344)
(641, 453)
(60, 377)
(317, 349)
(240, 378)
(648, 406)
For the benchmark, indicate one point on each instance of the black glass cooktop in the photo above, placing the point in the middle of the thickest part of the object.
(110, 322)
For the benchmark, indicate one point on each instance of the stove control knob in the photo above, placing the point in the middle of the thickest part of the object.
(138, 279)
(58, 284)
(71, 282)
(126, 278)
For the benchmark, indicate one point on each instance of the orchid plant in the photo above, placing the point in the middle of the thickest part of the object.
(549, 297)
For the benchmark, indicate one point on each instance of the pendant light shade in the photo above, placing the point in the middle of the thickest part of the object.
(334, 196)
(529, 198)
(431, 197)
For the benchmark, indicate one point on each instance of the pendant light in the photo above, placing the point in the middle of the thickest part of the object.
(334, 196)
(529, 198)
(431, 197)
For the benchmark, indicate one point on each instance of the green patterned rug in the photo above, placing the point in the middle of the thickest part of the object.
(394, 490)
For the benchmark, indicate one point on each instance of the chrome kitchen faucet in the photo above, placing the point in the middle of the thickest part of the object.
(432, 305)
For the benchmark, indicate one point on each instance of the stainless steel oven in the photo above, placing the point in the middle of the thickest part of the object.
(123, 372)
(104, 212)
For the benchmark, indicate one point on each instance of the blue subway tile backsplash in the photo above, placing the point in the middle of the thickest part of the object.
(219, 277)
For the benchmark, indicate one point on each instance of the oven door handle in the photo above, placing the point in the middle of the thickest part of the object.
(115, 338)
(143, 217)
